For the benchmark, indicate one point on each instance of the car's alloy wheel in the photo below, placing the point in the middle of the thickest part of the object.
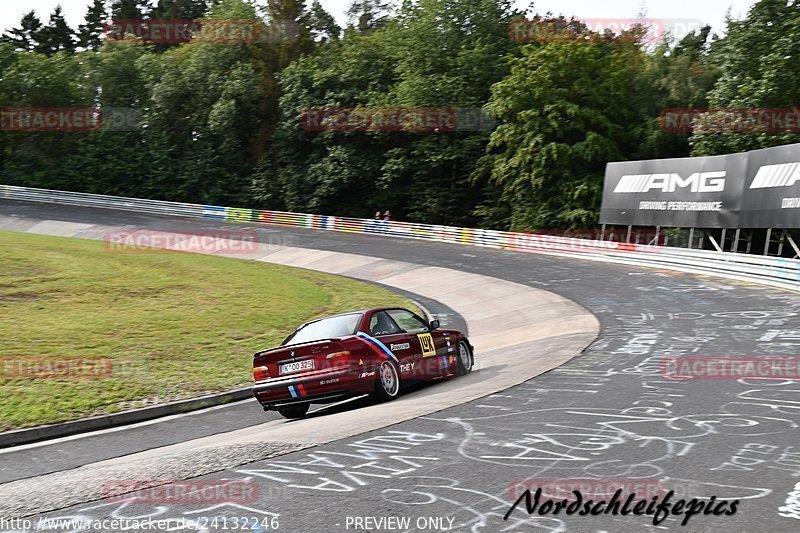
(294, 411)
(464, 359)
(387, 386)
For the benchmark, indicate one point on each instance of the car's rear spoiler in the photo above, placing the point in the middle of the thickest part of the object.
(283, 347)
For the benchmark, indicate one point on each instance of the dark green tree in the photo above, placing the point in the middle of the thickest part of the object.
(57, 36)
(681, 75)
(443, 54)
(37, 81)
(184, 10)
(178, 10)
(322, 25)
(206, 115)
(330, 172)
(287, 33)
(567, 109)
(90, 33)
(449, 54)
(129, 9)
(758, 60)
(28, 36)
(367, 15)
(115, 160)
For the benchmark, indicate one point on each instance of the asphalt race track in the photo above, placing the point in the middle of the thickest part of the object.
(608, 415)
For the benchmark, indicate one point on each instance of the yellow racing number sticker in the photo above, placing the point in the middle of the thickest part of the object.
(426, 341)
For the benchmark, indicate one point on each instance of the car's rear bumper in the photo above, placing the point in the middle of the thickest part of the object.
(313, 387)
(327, 397)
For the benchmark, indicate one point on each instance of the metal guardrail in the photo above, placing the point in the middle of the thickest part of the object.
(773, 270)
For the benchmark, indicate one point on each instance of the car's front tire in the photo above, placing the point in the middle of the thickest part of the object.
(387, 386)
(465, 360)
(294, 411)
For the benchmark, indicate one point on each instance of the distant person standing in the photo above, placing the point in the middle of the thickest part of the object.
(387, 216)
(376, 224)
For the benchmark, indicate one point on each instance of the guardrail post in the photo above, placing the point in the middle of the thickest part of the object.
(691, 237)
(721, 247)
(628, 236)
(736, 241)
(766, 243)
(603, 232)
(780, 244)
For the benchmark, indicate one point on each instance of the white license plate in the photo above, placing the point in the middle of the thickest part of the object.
(296, 366)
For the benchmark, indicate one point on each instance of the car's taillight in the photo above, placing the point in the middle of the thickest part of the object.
(338, 358)
(260, 372)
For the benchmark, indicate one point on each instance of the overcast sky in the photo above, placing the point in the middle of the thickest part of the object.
(709, 11)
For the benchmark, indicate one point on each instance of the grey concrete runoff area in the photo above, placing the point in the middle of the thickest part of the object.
(604, 419)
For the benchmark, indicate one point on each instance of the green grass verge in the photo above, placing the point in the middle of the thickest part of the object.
(175, 325)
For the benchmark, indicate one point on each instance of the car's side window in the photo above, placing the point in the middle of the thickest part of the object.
(408, 321)
(382, 324)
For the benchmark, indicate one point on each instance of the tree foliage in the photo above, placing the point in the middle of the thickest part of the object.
(27, 37)
(90, 33)
(220, 122)
(758, 60)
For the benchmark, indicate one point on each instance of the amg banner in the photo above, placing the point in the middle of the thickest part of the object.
(772, 193)
(700, 192)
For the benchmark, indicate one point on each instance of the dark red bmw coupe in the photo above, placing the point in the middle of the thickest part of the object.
(372, 351)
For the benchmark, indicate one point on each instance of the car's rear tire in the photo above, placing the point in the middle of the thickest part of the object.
(387, 386)
(294, 411)
(465, 360)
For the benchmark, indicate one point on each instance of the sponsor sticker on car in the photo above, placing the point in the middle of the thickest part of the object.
(296, 366)
(406, 368)
(426, 342)
(401, 346)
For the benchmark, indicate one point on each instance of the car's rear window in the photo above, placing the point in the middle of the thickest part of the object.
(326, 328)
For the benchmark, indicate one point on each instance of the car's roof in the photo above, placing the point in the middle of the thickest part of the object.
(357, 311)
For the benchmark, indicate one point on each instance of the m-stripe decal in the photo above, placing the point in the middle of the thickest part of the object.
(377, 346)
(297, 391)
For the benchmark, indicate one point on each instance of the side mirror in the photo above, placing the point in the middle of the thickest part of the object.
(434, 324)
